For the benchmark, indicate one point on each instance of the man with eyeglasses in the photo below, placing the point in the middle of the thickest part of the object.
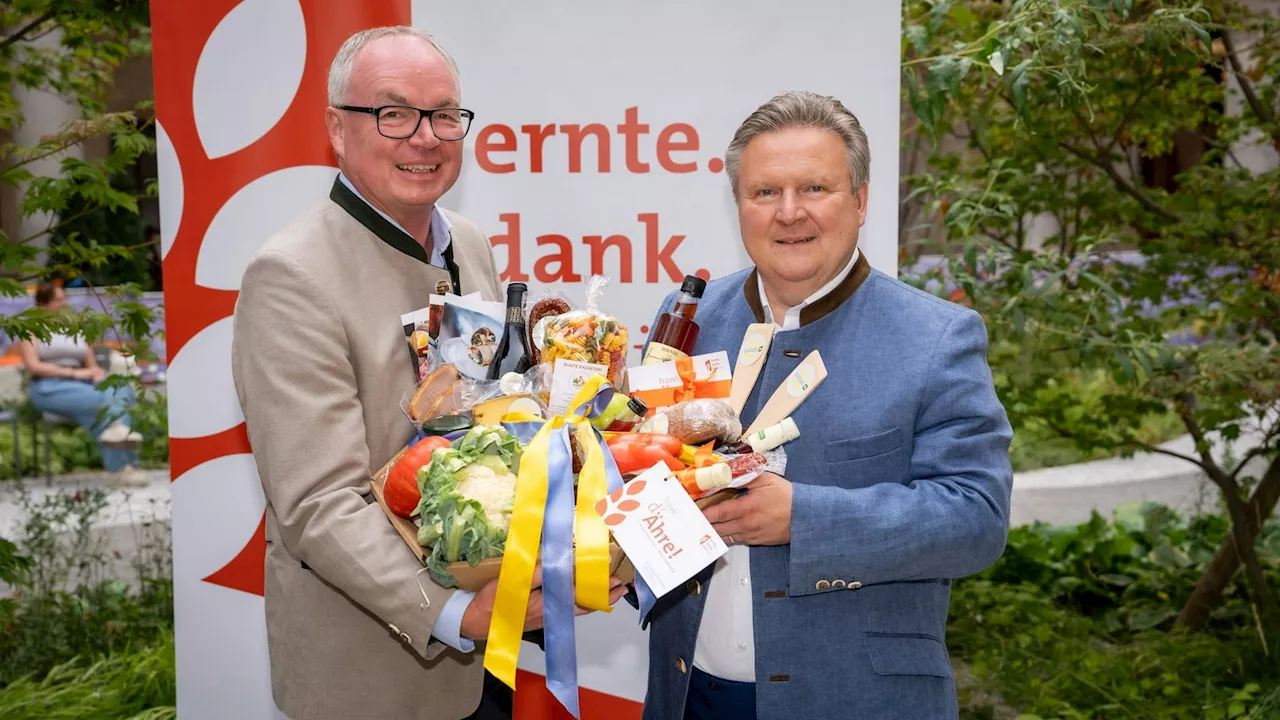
(355, 628)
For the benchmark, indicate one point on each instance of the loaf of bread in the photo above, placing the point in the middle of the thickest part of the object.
(695, 422)
(435, 395)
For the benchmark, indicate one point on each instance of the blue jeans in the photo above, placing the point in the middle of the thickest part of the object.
(83, 402)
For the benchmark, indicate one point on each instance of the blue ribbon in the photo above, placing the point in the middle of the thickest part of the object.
(646, 598)
(523, 431)
(557, 549)
(557, 575)
(643, 593)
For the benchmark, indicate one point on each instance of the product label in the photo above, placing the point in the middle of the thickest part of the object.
(662, 531)
(515, 315)
(658, 352)
(660, 424)
(753, 347)
(709, 368)
(771, 437)
(567, 377)
(801, 380)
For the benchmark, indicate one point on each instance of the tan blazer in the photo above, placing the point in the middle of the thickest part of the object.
(320, 365)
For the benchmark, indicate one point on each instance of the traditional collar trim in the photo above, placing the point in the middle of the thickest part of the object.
(387, 232)
(819, 308)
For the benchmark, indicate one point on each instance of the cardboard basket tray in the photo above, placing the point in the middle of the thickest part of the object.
(469, 577)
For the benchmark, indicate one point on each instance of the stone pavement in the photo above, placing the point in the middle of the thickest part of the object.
(1068, 494)
(122, 525)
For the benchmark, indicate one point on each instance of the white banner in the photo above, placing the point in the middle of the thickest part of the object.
(597, 148)
(601, 128)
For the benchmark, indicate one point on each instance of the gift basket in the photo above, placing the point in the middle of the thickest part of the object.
(502, 476)
(505, 475)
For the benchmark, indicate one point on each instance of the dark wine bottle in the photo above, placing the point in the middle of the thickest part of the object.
(512, 355)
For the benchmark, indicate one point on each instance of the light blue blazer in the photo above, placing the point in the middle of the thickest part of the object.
(902, 483)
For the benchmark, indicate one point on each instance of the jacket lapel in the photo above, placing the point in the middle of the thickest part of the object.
(342, 196)
(824, 305)
(827, 304)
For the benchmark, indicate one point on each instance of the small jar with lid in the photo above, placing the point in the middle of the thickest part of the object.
(630, 417)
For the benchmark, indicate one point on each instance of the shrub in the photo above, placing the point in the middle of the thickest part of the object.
(66, 603)
(1072, 623)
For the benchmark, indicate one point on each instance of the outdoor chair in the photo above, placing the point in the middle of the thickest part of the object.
(45, 422)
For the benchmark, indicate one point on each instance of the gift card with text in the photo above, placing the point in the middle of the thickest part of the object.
(662, 531)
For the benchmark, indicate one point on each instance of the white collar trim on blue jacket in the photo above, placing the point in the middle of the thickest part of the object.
(791, 321)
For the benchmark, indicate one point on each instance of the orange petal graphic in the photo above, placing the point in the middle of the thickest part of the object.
(246, 572)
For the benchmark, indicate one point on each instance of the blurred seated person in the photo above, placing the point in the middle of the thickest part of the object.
(64, 377)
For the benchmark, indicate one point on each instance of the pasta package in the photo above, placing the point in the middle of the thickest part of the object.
(545, 306)
(586, 335)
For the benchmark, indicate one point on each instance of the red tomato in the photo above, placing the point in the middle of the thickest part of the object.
(433, 442)
(401, 489)
(636, 457)
(670, 443)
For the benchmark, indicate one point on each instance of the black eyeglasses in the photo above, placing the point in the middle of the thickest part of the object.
(401, 121)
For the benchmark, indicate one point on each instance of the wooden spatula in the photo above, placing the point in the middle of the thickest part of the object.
(755, 347)
(802, 381)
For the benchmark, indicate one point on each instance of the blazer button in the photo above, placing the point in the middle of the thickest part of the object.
(693, 587)
(837, 584)
(855, 585)
(403, 635)
(681, 666)
(822, 585)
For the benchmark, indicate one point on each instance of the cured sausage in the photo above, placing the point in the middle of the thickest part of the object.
(547, 307)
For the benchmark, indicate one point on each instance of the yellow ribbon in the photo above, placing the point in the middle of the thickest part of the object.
(524, 537)
(697, 457)
(591, 537)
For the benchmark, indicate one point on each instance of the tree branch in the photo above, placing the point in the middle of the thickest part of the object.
(1211, 585)
(61, 222)
(1211, 467)
(1143, 89)
(1123, 183)
(1127, 186)
(1133, 444)
(1260, 449)
(69, 266)
(1255, 452)
(1004, 240)
(1264, 113)
(1226, 150)
(1162, 451)
(21, 33)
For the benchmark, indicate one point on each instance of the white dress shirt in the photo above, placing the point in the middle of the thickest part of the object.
(441, 228)
(726, 645)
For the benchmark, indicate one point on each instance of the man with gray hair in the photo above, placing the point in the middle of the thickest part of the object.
(355, 627)
(832, 600)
